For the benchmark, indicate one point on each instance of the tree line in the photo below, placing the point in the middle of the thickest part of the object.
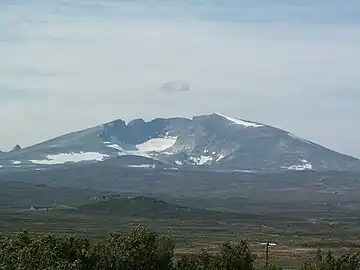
(141, 249)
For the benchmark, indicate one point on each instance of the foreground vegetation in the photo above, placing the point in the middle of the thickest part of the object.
(140, 249)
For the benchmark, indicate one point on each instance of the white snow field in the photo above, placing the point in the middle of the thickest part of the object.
(63, 158)
(240, 122)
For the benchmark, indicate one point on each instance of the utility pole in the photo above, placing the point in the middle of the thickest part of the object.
(267, 253)
(267, 245)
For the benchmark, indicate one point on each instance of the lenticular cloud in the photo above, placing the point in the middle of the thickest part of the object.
(175, 86)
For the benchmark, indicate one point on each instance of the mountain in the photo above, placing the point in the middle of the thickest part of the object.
(212, 141)
(16, 148)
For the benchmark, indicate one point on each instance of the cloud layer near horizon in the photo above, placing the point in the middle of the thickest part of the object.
(68, 65)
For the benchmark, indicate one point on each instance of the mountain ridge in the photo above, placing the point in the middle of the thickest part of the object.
(213, 141)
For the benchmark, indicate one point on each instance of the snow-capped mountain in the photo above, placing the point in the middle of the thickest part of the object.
(211, 141)
(16, 148)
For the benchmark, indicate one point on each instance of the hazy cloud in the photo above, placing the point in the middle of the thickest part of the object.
(175, 86)
(88, 62)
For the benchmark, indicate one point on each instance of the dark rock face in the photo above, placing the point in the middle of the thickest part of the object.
(134, 132)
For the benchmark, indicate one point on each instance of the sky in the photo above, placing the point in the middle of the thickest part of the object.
(68, 65)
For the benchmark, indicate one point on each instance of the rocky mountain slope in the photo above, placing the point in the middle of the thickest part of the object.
(208, 142)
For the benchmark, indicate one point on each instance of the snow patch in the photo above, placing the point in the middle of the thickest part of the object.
(63, 158)
(298, 138)
(204, 159)
(220, 157)
(143, 166)
(178, 162)
(171, 169)
(240, 122)
(115, 146)
(245, 171)
(167, 153)
(201, 160)
(303, 167)
(157, 144)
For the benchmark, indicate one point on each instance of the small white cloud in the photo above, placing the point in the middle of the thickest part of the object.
(175, 86)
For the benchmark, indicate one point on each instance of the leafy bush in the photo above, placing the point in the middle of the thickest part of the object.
(141, 249)
(230, 257)
(329, 262)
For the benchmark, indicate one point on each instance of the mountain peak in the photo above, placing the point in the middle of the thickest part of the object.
(16, 148)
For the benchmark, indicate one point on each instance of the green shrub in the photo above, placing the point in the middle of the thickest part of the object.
(230, 257)
(141, 249)
(329, 262)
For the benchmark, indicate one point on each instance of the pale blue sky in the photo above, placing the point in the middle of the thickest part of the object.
(68, 65)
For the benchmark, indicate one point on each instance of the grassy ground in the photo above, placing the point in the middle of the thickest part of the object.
(298, 226)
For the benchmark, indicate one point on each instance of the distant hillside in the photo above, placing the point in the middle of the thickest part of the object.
(146, 207)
